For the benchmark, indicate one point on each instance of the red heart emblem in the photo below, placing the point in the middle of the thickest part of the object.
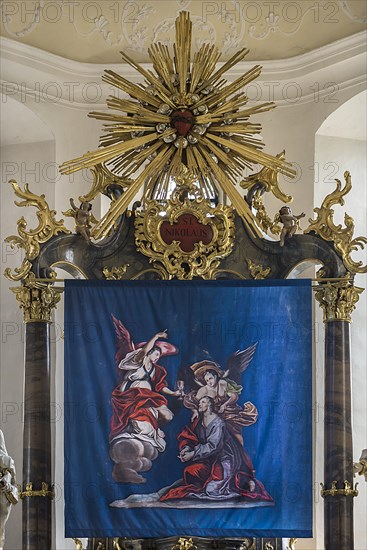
(182, 121)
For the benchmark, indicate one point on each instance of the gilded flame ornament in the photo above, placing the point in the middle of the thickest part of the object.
(30, 240)
(185, 112)
(342, 237)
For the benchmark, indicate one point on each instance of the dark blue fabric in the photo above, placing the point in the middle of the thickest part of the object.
(204, 320)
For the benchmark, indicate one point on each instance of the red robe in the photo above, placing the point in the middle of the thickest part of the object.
(199, 473)
(134, 403)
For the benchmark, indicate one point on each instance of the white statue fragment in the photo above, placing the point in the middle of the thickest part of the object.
(8, 489)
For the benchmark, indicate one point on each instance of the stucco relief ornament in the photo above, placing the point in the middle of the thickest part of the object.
(185, 112)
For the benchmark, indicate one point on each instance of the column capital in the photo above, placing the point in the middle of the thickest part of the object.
(338, 299)
(36, 299)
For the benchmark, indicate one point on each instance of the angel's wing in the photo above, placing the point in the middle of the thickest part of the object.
(239, 361)
(124, 343)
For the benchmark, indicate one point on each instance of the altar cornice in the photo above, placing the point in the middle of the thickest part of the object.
(341, 63)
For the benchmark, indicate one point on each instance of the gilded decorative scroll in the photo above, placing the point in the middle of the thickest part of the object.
(342, 237)
(31, 240)
(115, 273)
(257, 271)
(263, 219)
(186, 236)
(103, 183)
(184, 544)
(338, 299)
(267, 179)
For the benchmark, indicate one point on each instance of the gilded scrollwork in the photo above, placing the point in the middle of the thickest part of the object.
(263, 219)
(30, 240)
(104, 181)
(115, 273)
(257, 271)
(184, 543)
(338, 299)
(248, 544)
(215, 224)
(267, 180)
(342, 237)
(37, 299)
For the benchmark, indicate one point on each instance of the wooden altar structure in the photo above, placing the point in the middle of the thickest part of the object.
(132, 242)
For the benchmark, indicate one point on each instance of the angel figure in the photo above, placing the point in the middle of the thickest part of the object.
(224, 388)
(290, 223)
(83, 217)
(139, 408)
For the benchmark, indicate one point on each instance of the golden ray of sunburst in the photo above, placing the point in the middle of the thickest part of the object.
(183, 113)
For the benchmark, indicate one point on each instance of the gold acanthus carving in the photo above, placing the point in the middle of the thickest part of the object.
(45, 491)
(347, 491)
(257, 271)
(184, 544)
(31, 240)
(37, 299)
(115, 273)
(204, 259)
(342, 237)
(248, 544)
(263, 219)
(338, 299)
(103, 178)
(267, 178)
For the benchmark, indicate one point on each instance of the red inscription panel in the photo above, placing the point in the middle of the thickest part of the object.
(187, 231)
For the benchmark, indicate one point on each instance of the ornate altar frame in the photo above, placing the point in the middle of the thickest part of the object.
(148, 242)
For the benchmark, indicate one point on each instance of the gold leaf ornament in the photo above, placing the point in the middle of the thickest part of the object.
(30, 240)
(342, 237)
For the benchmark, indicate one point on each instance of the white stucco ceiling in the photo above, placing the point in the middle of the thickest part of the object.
(97, 31)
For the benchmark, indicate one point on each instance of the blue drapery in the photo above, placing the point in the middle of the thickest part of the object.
(211, 495)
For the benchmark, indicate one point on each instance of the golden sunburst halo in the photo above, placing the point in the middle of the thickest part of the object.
(184, 113)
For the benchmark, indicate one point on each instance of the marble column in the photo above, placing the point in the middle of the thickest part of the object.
(37, 437)
(37, 301)
(338, 301)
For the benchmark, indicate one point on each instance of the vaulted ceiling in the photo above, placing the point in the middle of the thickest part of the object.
(96, 31)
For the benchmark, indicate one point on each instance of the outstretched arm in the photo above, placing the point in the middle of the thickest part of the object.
(176, 393)
(230, 401)
(149, 345)
(72, 203)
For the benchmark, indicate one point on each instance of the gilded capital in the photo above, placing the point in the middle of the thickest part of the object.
(37, 300)
(338, 299)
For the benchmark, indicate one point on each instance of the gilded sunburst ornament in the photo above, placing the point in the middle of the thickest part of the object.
(184, 113)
